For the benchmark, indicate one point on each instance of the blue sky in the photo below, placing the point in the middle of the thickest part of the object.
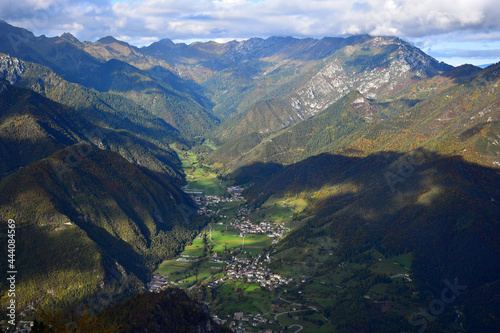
(454, 31)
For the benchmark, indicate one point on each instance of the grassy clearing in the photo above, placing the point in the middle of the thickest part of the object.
(206, 181)
(195, 249)
(169, 267)
(204, 273)
(404, 259)
(200, 176)
(244, 297)
(297, 204)
(279, 209)
(210, 264)
(379, 288)
(254, 243)
(388, 267)
(257, 240)
(210, 144)
(276, 213)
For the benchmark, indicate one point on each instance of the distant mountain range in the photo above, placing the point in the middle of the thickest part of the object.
(391, 149)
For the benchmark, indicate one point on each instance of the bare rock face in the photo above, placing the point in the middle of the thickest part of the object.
(10, 68)
(377, 68)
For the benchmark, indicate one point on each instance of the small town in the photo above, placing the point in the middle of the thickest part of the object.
(246, 268)
(251, 269)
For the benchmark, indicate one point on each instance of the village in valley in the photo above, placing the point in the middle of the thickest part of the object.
(232, 252)
(236, 267)
(252, 269)
(246, 263)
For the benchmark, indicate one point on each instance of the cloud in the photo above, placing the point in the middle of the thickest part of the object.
(146, 20)
(244, 18)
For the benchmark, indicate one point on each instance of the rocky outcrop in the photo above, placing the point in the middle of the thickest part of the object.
(393, 65)
(10, 68)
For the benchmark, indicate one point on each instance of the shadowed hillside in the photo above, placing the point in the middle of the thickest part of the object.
(442, 209)
(117, 214)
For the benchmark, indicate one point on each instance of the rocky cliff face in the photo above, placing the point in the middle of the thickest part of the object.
(10, 68)
(378, 68)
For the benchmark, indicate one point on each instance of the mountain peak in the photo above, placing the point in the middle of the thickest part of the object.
(166, 42)
(110, 40)
(7, 29)
(70, 38)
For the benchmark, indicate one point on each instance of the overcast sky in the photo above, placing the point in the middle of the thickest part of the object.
(455, 31)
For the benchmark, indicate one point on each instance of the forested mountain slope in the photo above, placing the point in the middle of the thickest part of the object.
(168, 98)
(91, 217)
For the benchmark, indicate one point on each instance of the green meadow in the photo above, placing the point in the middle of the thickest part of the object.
(170, 267)
(199, 176)
(194, 249)
(254, 243)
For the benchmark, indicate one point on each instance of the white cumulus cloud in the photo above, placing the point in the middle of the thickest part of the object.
(147, 20)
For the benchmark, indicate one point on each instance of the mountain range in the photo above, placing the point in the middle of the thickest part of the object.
(391, 149)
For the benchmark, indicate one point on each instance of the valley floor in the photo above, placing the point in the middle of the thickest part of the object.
(236, 268)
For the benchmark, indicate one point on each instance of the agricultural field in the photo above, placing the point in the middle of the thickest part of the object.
(194, 249)
(394, 265)
(170, 267)
(388, 268)
(200, 176)
(209, 144)
(405, 259)
(310, 320)
(189, 273)
(221, 240)
(297, 204)
(243, 297)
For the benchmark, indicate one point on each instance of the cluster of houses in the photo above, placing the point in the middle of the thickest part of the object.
(204, 201)
(207, 200)
(187, 258)
(405, 276)
(216, 282)
(158, 282)
(255, 271)
(251, 270)
(235, 192)
(247, 227)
